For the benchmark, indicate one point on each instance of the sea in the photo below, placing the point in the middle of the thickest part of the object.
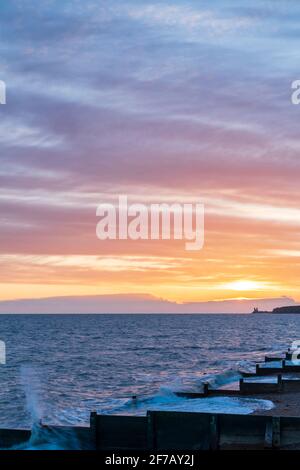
(59, 368)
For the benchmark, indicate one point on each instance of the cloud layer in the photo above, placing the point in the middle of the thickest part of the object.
(179, 99)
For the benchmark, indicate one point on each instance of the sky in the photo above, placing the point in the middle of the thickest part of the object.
(162, 101)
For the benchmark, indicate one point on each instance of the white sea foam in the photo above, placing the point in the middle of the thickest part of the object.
(48, 438)
(271, 365)
(171, 402)
(262, 379)
(220, 379)
(226, 405)
(32, 388)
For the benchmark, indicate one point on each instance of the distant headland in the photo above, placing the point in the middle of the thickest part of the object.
(289, 309)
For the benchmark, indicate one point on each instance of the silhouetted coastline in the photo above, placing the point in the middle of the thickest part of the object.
(278, 310)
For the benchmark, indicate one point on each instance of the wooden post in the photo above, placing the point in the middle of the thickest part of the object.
(269, 434)
(272, 434)
(151, 438)
(93, 429)
(276, 432)
(214, 432)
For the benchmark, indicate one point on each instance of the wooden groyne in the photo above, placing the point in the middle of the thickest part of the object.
(167, 430)
(164, 430)
(275, 370)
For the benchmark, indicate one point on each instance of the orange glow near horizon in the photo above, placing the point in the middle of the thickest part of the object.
(165, 270)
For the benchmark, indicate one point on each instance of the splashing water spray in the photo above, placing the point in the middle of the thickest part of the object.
(30, 379)
(42, 437)
(32, 388)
